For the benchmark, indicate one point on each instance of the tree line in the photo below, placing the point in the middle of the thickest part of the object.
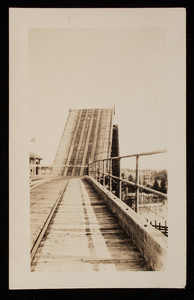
(160, 183)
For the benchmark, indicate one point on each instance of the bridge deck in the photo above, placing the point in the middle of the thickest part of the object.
(83, 235)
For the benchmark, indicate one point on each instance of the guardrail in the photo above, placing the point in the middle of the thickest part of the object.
(101, 170)
(39, 169)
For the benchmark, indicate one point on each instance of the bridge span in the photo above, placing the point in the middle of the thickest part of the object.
(77, 225)
(78, 220)
(82, 234)
(87, 136)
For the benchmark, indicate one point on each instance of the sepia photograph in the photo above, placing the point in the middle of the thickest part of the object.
(97, 148)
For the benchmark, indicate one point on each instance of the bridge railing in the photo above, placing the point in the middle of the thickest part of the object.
(41, 169)
(102, 171)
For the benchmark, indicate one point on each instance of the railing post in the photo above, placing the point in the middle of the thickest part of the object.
(110, 174)
(95, 177)
(100, 174)
(120, 183)
(98, 179)
(103, 173)
(89, 167)
(93, 170)
(137, 188)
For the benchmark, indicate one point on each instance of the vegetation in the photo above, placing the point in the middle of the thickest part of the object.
(160, 182)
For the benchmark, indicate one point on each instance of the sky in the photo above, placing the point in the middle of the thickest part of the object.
(76, 68)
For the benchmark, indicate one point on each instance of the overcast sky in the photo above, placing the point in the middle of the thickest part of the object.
(97, 68)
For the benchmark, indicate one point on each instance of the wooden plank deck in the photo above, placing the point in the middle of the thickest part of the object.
(42, 199)
(85, 236)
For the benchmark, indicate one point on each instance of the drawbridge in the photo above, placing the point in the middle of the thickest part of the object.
(78, 220)
(87, 136)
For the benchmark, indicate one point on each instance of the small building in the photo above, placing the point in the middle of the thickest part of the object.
(34, 161)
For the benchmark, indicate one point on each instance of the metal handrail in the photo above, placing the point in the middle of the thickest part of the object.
(138, 186)
(131, 155)
(58, 166)
(107, 172)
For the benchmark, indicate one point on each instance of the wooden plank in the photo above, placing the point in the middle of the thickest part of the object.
(38, 230)
(87, 142)
(85, 237)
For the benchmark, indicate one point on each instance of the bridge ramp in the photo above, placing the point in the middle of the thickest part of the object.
(85, 236)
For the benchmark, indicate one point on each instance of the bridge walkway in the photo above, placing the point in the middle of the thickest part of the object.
(83, 235)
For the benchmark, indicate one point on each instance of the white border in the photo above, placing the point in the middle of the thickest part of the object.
(21, 19)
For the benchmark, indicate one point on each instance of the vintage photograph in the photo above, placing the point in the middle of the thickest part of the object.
(102, 124)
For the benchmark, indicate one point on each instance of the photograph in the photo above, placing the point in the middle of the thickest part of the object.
(97, 148)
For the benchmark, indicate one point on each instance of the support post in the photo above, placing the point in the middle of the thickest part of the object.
(120, 182)
(98, 179)
(93, 169)
(99, 170)
(110, 174)
(95, 177)
(137, 188)
(103, 173)
(89, 167)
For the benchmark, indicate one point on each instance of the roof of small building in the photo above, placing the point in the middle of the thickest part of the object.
(34, 155)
